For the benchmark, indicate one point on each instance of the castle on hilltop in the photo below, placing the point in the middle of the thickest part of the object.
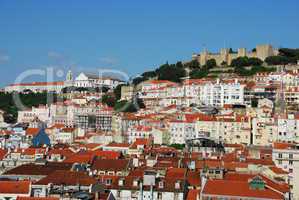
(226, 55)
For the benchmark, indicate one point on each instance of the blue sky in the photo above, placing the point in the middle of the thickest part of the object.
(134, 36)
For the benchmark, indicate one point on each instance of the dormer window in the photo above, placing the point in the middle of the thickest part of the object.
(161, 184)
(257, 183)
(177, 185)
(108, 181)
(135, 182)
(121, 182)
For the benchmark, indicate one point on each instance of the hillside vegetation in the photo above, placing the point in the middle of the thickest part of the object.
(7, 103)
(242, 66)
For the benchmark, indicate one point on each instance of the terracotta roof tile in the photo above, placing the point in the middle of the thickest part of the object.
(32, 131)
(67, 178)
(231, 188)
(37, 198)
(15, 187)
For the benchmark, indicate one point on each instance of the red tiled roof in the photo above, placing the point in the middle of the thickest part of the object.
(113, 144)
(5, 132)
(268, 162)
(278, 145)
(67, 178)
(65, 152)
(68, 130)
(193, 178)
(237, 189)
(3, 153)
(160, 81)
(15, 187)
(30, 151)
(91, 146)
(38, 83)
(282, 187)
(107, 154)
(192, 194)
(177, 173)
(141, 141)
(35, 169)
(277, 170)
(143, 128)
(80, 157)
(32, 131)
(110, 164)
(37, 198)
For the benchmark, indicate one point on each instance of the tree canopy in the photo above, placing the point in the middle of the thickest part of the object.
(109, 100)
(170, 72)
(277, 60)
(7, 103)
(125, 106)
(211, 63)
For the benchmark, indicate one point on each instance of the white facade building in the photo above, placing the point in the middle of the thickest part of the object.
(219, 94)
(90, 80)
(41, 112)
(36, 87)
(286, 156)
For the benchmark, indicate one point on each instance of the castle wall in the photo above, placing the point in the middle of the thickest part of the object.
(262, 52)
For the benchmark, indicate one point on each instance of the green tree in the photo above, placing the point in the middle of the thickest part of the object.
(125, 106)
(170, 72)
(193, 64)
(276, 60)
(240, 62)
(223, 63)
(138, 80)
(179, 64)
(140, 103)
(199, 73)
(109, 100)
(149, 74)
(254, 103)
(7, 103)
(211, 63)
(254, 62)
(117, 91)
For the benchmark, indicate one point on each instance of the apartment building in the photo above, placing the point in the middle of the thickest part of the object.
(286, 157)
(221, 93)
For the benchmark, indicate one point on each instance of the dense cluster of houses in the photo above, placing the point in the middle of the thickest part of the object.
(199, 139)
(143, 170)
(217, 92)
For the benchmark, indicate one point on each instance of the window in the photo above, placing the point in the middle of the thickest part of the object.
(290, 162)
(279, 155)
(118, 193)
(291, 156)
(159, 195)
(109, 182)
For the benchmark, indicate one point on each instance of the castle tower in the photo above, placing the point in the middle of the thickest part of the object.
(241, 52)
(264, 51)
(203, 57)
(224, 55)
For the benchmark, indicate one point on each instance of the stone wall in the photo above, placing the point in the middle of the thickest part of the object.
(224, 56)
